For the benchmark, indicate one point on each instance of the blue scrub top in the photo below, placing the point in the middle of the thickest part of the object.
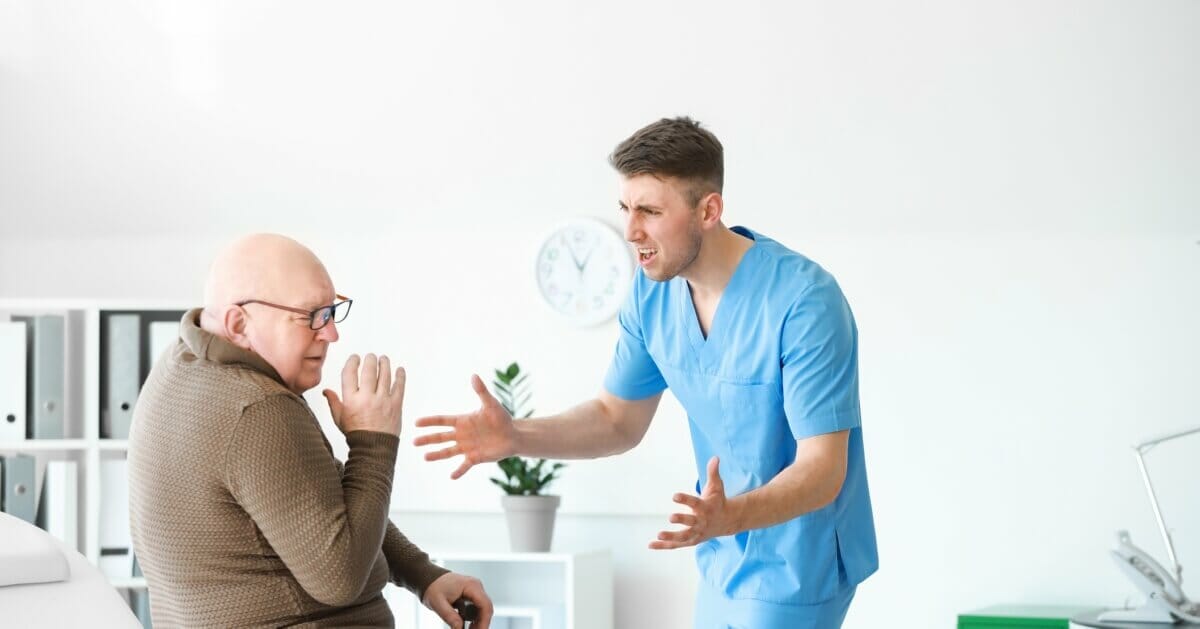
(780, 363)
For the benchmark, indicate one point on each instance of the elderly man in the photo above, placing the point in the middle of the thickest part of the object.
(240, 514)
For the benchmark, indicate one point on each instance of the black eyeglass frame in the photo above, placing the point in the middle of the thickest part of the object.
(328, 313)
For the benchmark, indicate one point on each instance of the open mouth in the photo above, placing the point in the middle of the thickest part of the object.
(646, 255)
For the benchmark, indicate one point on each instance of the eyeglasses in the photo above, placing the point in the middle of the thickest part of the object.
(317, 319)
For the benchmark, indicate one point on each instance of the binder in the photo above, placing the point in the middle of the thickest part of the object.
(44, 381)
(139, 600)
(116, 555)
(58, 508)
(12, 381)
(120, 375)
(18, 498)
(163, 335)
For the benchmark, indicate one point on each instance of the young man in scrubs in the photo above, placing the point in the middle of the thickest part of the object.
(759, 345)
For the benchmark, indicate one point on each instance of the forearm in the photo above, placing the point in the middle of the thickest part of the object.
(325, 526)
(409, 566)
(802, 487)
(587, 431)
(355, 532)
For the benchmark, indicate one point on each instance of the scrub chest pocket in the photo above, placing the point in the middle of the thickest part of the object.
(756, 429)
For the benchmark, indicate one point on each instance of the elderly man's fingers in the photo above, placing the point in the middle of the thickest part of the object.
(447, 613)
(335, 406)
(399, 384)
(350, 375)
(474, 591)
(385, 374)
(368, 378)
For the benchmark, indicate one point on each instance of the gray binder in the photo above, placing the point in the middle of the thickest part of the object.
(18, 499)
(139, 600)
(45, 346)
(13, 407)
(122, 352)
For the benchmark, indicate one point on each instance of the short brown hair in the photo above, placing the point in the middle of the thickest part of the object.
(674, 147)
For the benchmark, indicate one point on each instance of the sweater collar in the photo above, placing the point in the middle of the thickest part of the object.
(208, 346)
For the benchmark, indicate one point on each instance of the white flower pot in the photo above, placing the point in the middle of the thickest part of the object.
(530, 522)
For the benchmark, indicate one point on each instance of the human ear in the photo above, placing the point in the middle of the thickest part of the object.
(711, 206)
(235, 321)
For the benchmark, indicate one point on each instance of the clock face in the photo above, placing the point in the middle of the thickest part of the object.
(583, 271)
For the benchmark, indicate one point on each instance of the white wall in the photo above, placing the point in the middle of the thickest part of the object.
(1008, 192)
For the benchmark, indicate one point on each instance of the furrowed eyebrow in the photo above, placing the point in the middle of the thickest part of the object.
(640, 206)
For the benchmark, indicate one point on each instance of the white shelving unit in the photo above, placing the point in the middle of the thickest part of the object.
(81, 414)
(529, 590)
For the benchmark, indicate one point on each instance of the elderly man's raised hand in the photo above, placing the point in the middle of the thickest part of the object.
(371, 399)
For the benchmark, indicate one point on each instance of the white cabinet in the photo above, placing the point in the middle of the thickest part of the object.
(529, 590)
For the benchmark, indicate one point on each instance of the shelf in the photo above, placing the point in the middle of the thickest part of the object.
(64, 445)
(551, 557)
(128, 583)
(560, 590)
(45, 445)
(84, 372)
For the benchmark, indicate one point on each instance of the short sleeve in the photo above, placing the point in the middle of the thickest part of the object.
(633, 374)
(820, 362)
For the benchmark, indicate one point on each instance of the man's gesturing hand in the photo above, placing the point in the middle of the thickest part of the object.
(480, 437)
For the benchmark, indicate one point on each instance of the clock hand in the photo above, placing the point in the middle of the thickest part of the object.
(571, 250)
(583, 264)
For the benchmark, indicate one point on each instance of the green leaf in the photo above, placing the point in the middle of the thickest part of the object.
(524, 476)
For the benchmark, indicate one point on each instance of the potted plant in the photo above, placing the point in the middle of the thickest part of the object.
(529, 512)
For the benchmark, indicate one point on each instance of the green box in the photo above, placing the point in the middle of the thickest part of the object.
(1022, 617)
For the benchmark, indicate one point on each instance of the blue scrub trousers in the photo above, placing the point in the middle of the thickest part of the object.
(715, 611)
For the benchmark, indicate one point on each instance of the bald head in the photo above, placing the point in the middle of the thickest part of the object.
(286, 274)
(261, 266)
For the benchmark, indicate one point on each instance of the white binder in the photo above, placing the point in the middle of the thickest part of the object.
(163, 335)
(121, 377)
(12, 381)
(116, 547)
(58, 508)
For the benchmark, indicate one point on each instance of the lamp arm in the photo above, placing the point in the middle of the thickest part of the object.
(1146, 445)
(1162, 525)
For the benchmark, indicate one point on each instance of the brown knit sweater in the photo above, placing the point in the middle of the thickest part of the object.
(239, 512)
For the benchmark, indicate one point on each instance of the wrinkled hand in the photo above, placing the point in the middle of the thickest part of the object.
(441, 594)
(370, 399)
(710, 516)
(481, 437)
